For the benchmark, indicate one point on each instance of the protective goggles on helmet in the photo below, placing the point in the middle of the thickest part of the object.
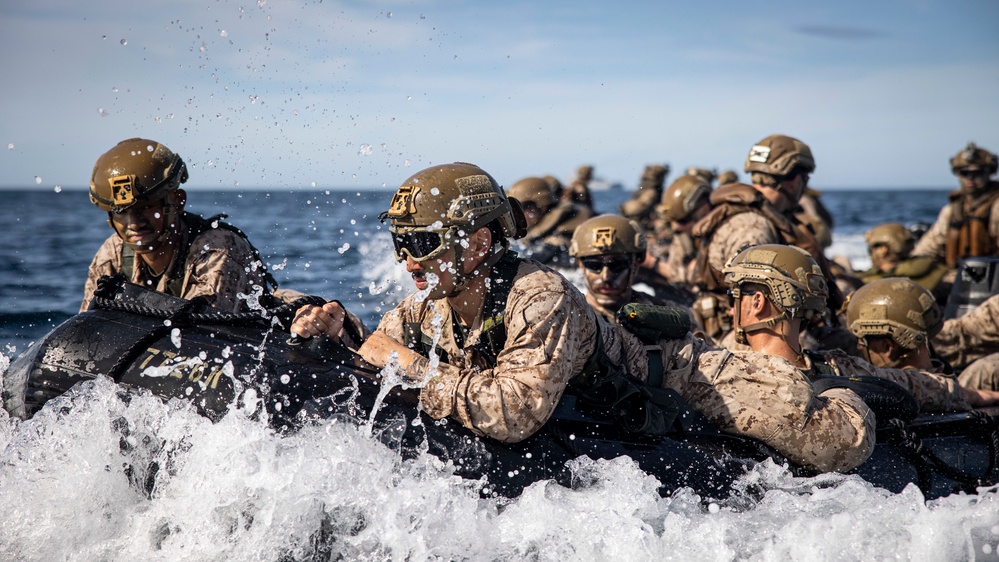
(423, 244)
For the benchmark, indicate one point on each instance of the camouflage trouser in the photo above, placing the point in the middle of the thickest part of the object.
(711, 311)
(983, 374)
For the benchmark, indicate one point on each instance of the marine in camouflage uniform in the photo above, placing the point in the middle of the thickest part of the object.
(550, 223)
(969, 224)
(970, 343)
(642, 204)
(775, 288)
(502, 364)
(685, 202)
(158, 245)
(890, 247)
(609, 250)
(578, 191)
(762, 213)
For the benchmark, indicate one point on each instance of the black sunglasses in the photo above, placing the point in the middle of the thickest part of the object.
(966, 173)
(596, 265)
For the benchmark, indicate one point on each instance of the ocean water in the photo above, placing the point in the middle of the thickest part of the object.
(236, 490)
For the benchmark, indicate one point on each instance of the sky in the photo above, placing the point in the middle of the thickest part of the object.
(344, 94)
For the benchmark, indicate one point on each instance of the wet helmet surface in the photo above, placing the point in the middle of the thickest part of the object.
(135, 170)
(895, 307)
(607, 234)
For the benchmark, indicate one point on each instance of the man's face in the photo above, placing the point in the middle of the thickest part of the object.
(141, 226)
(434, 276)
(608, 278)
(972, 178)
(880, 254)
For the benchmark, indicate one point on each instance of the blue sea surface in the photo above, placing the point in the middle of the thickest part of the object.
(320, 242)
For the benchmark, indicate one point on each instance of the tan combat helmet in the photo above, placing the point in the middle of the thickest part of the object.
(974, 157)
(894, 307)
(533, 190)
(795, 283)
(135, 170)
(704, 173)
(728, 176)
(584, 173)
(896, 237)
(441, 205)
(654, 176)
(683, 197)
(778, 155)
(607, 234)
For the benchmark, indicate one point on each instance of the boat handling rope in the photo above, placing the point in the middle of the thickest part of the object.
(926, 462)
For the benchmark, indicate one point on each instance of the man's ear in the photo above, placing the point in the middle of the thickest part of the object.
(479, 245)
(759, 301)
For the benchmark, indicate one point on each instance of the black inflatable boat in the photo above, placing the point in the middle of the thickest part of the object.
(181, 349)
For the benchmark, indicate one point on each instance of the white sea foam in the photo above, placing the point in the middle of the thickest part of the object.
(73, 486)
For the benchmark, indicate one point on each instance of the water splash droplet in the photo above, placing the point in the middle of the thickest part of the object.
(38, 180)
(365, 150)
(102, 112)
(10, 146)
(224, 33)
(124, 41)
(58, 189)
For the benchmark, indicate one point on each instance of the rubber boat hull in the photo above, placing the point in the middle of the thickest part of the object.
(215, 365)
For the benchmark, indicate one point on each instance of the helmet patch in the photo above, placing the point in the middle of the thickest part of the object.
(122, 190)
(403, 201)
(759, 153)
(603, 238)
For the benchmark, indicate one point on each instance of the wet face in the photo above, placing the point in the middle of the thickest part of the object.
(972, 178)
(434, 276)
(144, 226)
(608, 278)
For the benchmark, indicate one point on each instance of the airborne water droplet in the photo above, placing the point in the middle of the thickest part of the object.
(124, 41)
(38, 180)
